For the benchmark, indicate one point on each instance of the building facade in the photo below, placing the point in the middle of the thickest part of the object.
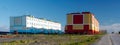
(82, 23)
(30, 24)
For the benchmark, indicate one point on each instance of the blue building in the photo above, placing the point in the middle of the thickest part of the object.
(28, 24)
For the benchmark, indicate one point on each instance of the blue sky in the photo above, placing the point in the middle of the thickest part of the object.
(106, 11)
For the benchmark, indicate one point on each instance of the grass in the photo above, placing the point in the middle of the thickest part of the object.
(64, 39)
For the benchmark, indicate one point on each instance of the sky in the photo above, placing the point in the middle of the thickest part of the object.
(106, 11)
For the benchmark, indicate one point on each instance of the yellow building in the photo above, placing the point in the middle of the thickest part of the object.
(82, 23)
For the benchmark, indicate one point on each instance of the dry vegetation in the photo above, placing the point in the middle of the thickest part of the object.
(41, 39)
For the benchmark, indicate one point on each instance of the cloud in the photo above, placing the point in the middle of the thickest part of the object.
(4, 28)
(111, 28)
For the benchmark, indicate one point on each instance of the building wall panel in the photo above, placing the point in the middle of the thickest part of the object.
(69, 19)
(78, 19)
(69, 27)
(87, 19)
(78, 27)
(86, 27)
(90, 19)
(92, 27)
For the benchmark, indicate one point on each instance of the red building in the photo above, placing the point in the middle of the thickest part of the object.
(81, 23)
